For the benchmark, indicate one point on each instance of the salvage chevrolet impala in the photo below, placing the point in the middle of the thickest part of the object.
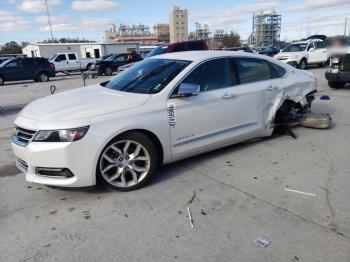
(163, 109)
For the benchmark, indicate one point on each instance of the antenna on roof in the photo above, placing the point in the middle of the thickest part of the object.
(48, 17)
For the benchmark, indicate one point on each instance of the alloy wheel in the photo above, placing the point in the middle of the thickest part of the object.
(43, 77)
(108, 71)
(125, 163)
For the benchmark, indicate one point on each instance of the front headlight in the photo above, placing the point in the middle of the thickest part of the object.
(63, 135)
(294, 57)
(335, 60)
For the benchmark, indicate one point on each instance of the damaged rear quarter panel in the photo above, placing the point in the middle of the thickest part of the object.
(296, 85)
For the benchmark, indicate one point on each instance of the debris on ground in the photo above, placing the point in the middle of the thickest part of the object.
(192, 198)
(316, 121)
(325, 97)
(52, 89)
(262, 241)
(300, 192)
(86, 214)
(190, 217)
(203, 212)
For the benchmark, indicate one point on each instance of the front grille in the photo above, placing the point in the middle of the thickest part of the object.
(22, 165)
(22, 136)
(346, 63)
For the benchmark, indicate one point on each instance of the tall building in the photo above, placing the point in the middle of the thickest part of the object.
(178, 25)
(161, 31)
(266, 28)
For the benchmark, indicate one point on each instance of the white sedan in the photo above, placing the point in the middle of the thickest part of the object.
(163, 109)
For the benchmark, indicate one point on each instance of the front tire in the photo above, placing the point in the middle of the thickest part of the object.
(108, 71)
(336, 85)
(303, 64)
(128, 162)
(42, 77)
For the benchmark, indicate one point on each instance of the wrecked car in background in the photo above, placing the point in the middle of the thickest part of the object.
(163, 109)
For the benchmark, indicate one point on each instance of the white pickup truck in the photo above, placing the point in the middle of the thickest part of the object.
(70, 62)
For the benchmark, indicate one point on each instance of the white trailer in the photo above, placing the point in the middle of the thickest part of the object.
(83, 50)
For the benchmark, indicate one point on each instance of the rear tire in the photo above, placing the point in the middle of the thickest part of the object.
(42, 77)
(108, 71)
(2, 80)
(336, 85)
(127, 162)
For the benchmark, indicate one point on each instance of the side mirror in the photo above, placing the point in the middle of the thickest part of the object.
(188, 90)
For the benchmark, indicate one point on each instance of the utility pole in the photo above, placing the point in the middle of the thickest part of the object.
(345, 25)
(49, 20)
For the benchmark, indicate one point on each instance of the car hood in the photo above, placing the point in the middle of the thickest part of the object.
(82, 102)
(289, 53)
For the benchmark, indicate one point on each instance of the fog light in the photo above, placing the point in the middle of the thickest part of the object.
(54, 172)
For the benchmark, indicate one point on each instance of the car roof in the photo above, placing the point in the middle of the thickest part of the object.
(197, 56)
(307, 41)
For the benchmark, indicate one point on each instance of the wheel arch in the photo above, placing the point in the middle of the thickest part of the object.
(151, 135)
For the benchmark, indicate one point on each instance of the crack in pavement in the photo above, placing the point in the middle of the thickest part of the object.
(270, 203)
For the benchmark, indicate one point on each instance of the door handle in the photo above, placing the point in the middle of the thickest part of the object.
(228, 96)
(272, 88)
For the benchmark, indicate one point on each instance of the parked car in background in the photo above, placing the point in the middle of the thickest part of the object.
(36, 68)
(246, 49)
(268, 50)
(303, 53)
(112, 63)
(70, 62)
(161, 110)
(195, 45)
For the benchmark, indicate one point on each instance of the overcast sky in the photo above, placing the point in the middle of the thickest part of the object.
(26, 20)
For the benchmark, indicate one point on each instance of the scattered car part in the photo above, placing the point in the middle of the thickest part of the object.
(262, 241)
(190, 217)
(316, 121)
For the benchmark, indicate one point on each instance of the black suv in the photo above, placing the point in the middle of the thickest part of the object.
(22, 68)
(339, 61)
(111, 64)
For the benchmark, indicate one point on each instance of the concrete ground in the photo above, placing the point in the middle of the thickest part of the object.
(239, 195)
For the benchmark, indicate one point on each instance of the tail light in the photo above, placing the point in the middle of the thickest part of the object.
(51, 65)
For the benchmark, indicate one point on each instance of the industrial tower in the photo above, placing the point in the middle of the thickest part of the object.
(266, 28)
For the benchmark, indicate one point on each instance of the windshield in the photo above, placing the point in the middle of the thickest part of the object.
(157, 51)
(6, 62)
(53, 57)
(110, 58)
(295, 47)
(147, 77)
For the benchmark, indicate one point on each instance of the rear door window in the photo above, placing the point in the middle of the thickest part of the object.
(211, 75)
(252, 70)
(276, 71)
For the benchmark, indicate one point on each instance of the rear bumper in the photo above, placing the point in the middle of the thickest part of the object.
(338, 77)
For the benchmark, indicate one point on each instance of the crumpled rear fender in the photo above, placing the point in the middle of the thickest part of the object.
(296, 92)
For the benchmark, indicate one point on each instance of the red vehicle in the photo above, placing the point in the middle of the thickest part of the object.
(171, 48)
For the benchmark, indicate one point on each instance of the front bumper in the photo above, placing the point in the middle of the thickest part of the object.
(338, 77)
(78, 157)
(288, 61)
